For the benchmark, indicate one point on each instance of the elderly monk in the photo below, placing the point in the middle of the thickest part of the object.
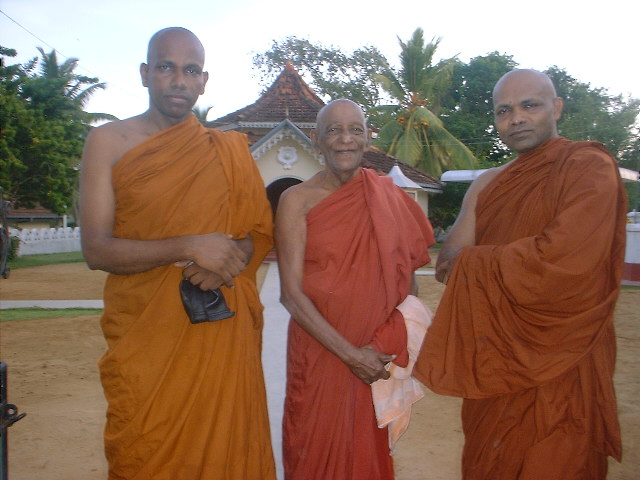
(348, 244)
(524, 331)
(160, 192)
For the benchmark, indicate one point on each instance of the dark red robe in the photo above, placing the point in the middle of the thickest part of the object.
(364, 242)
(524, 331)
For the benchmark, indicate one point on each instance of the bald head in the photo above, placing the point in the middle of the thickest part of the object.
(342, 104)
(526, 109)
(530, 76)
(172, 34)
(341, 136)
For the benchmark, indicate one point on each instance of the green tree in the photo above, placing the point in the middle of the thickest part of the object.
(630, 158)
(43, 129)
(468, 109)
(59, 91)
(15, 119)
(593, 114)
(330, 71)
(416, 135)
(201, 113)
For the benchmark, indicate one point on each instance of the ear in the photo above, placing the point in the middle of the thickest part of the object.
(205, 79)
(558, 105)
(144, 71)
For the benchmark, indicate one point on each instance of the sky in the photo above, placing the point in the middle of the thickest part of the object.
(596, 43)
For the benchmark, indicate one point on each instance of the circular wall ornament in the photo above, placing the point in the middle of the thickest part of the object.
(287, 156)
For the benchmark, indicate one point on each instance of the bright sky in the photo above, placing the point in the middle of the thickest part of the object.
(596, 43)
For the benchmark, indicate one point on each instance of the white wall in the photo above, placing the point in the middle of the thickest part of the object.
(47, 240)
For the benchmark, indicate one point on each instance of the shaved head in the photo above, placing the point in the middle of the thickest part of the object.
(526, 109)
(527, 75)
(171, 33)
(322, 114)
(342, 137)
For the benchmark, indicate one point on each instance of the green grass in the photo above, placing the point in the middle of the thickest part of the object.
(48, 259)
(16, 314)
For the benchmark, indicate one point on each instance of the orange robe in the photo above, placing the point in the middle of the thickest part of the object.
(186, 402)
(363, 243)
(524, 331)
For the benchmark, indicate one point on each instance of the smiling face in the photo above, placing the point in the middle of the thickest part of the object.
(526, 109)
(174, 73)
(341, 136)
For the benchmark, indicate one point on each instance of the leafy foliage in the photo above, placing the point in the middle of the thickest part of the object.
(416, 135)
(332, 72)
(43, 128)
(468, 109)
(593, 114)
(456, 95)
(444, 208)
(201, 113)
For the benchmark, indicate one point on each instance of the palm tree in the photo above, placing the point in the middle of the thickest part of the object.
(59, 89)
(201, 113)
(57, 96)
(416, 135)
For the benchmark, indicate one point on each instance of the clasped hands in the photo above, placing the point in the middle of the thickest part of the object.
(369, 365)
(217, 259)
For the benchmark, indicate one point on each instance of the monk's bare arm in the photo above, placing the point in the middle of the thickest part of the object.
(215, 252)
(463, 232)
(291, 234)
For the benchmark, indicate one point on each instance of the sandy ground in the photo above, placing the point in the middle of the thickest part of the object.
(53, 377)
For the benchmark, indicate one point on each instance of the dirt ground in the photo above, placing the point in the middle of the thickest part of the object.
(53, 377)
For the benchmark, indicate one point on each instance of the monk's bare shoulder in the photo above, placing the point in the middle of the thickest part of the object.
(484, 180)
(109, 142)
(304, 196)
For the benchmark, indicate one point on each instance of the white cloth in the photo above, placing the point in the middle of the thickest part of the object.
(392, 398)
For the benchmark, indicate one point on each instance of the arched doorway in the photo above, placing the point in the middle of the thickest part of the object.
(275, 189)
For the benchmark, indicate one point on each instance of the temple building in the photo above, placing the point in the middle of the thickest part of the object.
(278, 126)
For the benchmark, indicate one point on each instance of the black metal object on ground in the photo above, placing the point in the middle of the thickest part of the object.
(8, 416)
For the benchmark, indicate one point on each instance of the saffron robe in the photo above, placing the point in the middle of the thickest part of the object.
(524, 330)
(186, 401)
(364, 242)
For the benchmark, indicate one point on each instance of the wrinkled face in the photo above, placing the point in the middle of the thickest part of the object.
(174, 74)
(526, 110)
(341, 136)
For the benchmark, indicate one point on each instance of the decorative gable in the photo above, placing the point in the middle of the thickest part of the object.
(285, 130)
(278, 126)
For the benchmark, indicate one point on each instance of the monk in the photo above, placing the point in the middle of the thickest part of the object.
(164, 199)
(348, 244)
(524, 331)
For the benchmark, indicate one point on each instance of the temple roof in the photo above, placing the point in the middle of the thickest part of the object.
(382, 163)
(289, 97)
(289, 103)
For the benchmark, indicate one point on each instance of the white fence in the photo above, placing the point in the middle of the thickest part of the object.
(47, 240)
